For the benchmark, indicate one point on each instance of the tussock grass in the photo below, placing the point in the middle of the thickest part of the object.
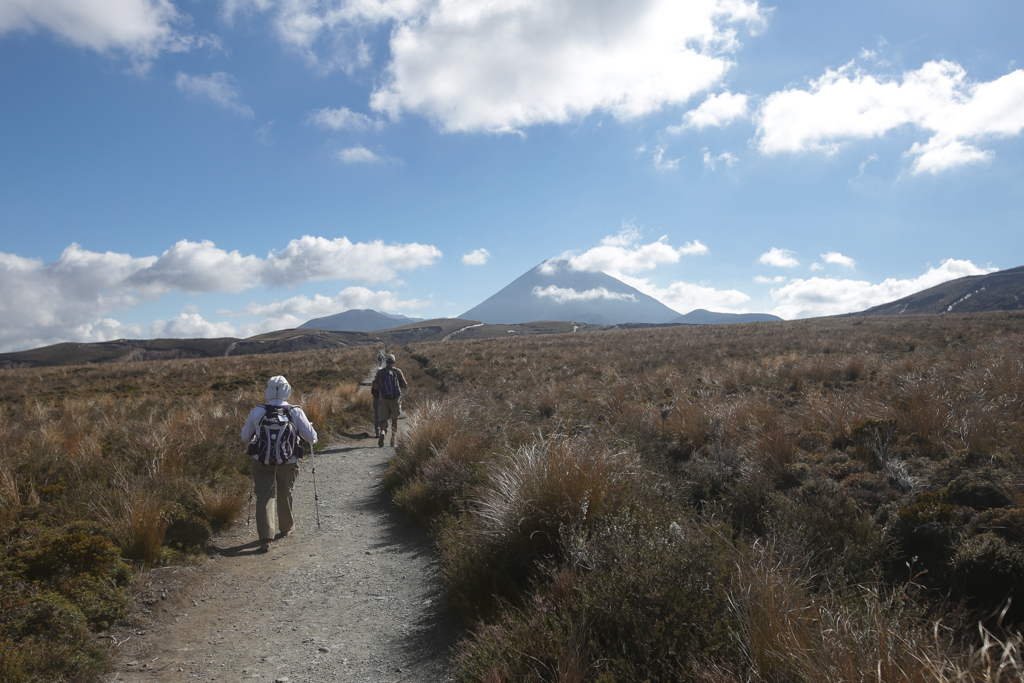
(137, 521)
(151, 452)
(883, 453)
(602, 502)
(533, 493)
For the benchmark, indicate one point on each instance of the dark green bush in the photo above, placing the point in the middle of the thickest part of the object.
(645, 600)
(989, 570)
(46, 637)
(187, 533)
(76, 561)
(831, 527)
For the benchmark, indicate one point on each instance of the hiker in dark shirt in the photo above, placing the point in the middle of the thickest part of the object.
(389, 383)
(381, 359)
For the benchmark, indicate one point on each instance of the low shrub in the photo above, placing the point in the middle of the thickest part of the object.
(989, 570)
(645, 598)
(57, 586)
(77, 561)
(45, 638)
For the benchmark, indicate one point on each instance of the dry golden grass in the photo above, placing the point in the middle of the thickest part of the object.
(856, 444)
(861, 446)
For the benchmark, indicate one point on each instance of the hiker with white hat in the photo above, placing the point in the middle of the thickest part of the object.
(276, 426)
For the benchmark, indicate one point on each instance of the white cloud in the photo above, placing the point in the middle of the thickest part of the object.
(825, 296)
(505, 66)
(622, 253)
(358, 155)
(318, 258)
(477, 257)
(685, 297)
(716, 110)
(838, 259)
(44, 303)
(71, 298)
(711, 163)
(662, 164)
(761, 279)
(196, 267)
(848, 104)
(344, 118)
(141, 28)
(218, 87)
(780, 258)
(190, 326)
(566, 294)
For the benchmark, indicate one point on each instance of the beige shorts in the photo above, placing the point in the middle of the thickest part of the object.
(389, 409)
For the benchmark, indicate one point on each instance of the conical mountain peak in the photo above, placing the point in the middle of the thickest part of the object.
(554, 291)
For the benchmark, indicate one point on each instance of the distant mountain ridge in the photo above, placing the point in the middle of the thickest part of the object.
(281, 341)
(553, 291)
(700, 316)
(357, 320)
(1002, 290)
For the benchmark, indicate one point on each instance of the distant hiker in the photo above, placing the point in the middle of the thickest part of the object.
(277, 426)
(381, 359)
(389, 382)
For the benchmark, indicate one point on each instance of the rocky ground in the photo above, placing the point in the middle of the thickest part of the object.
(356, 600)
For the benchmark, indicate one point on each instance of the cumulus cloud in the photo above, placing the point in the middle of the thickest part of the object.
(218, 87)
(358, 155)
(623, 253)
(344, 118)
(761, 279)
(838, 259)
(501, 67)
(140, 28)
(685, 296)
(196, 267)
(780, 258)
(715, 111)
(477, 257)
(71, 299)
(817, 296)
(849, 104)
(189, 325)
(566, 294)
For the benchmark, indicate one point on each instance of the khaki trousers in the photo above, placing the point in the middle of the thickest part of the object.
(273, 486)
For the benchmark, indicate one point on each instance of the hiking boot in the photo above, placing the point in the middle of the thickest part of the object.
(380, 440)
(392, 439)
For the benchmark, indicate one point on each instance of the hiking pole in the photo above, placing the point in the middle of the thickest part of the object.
(252, 485)
(316, 497)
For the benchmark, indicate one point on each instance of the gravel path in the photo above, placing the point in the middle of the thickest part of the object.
(358, 600)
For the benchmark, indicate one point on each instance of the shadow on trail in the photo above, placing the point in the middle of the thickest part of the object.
(249, 548)
(437, 631)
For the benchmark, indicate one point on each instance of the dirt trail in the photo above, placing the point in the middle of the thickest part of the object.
(358, 600)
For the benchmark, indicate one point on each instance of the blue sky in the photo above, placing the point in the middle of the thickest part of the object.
(229, 167)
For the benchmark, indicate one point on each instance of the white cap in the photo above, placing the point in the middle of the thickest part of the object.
(278, 387)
